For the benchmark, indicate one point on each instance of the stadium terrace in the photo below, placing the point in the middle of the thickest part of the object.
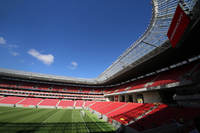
(153, 87)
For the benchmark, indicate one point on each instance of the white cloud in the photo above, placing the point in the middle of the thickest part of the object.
(14, 53)
(2, 40)
(10, 47)
(73, 65)
(45, 58)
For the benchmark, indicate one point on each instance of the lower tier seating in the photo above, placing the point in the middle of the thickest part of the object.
(109, 107)
(136, 115)
(122, 109)
(49, 102)
(11, 100)
(30, 101)
(165, 115)
(66, 103)
(89, 103)
(133, 114)
(79, 103)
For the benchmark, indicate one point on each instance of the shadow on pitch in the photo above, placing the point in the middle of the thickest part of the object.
(92, 127)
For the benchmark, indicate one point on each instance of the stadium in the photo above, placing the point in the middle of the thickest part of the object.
(153, 87)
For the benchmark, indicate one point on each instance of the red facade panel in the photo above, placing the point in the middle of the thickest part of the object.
(178, 26)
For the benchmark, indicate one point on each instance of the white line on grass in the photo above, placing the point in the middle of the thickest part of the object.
(51, 115)
(72, 120)
(84, 122)
(95, 122)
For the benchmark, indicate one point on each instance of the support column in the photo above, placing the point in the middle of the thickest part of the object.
(116, 98)
(134, 98)
(120, 98)
(127, 98)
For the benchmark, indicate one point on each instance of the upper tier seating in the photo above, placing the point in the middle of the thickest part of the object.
(11, 100)
(140, 83)
(57, 88)
(85, 90)
(97, 90)
(49, 102)
(171, 76)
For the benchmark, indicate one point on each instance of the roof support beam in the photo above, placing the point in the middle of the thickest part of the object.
(150, 44)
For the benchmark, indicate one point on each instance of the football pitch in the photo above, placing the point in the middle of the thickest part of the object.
(32, 120)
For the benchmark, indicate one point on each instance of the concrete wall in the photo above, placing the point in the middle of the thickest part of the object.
(7, 105)
(151, 97)
(46, 106)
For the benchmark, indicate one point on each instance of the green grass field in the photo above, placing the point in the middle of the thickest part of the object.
(30, 120)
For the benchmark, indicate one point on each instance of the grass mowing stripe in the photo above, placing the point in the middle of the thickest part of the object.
(104, 126)
(22, 124)
(67, 120)
(4, 109)
(13, 118)
(14, 115)
(29, 126)
(84, 121)
(72, 121)
(45, 126)
(66, 116)
(35, 123)
(9, 111)
(78, 124)
(36, 118)
(93, 127)
(50, 120)
(57, 126)
(29, 118)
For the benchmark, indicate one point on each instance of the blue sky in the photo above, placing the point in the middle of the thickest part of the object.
(76, 38)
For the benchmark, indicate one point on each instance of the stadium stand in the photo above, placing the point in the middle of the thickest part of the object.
(66, 103)
(89, 103)
(165, 116)
(109, 107)
(30, 101)
(133, 114)
(49, 102)
(125, 108)
(79, 103)
(162, 78)
(11, 100)
(150, 86)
